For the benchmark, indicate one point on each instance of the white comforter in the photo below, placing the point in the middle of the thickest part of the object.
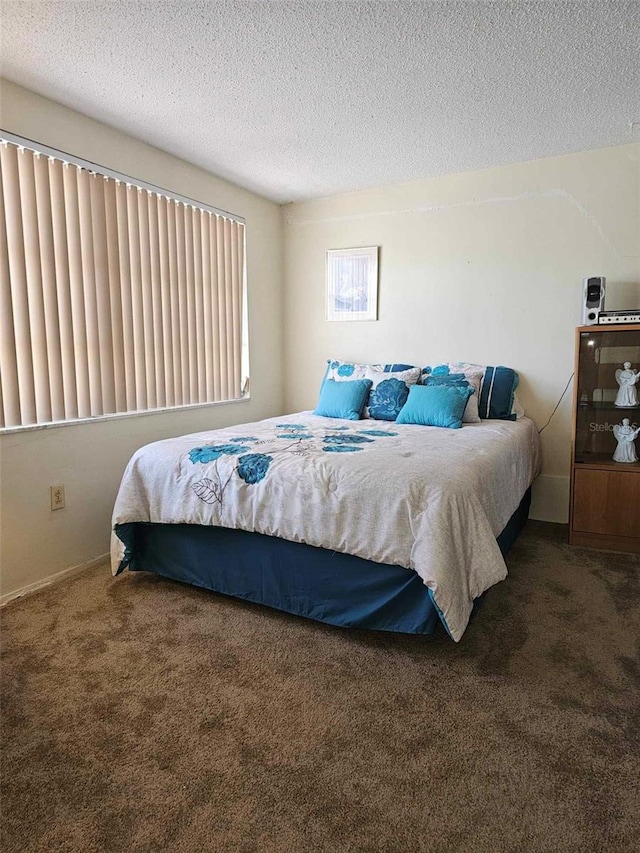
(429, 499)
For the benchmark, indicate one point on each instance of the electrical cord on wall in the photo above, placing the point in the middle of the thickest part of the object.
(558, 403)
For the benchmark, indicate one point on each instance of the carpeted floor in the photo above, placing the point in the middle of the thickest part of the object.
(142, 715)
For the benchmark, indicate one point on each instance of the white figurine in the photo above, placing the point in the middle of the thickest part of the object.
(627, 379)
(625, 435)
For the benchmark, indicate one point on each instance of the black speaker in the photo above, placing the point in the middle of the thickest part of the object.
(592, 299)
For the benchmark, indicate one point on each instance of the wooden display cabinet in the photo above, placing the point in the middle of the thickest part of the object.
(605, 495)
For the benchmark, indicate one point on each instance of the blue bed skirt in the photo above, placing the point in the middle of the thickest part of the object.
(312, 582)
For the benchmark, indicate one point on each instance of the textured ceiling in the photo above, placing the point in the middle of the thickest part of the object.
(300, 99)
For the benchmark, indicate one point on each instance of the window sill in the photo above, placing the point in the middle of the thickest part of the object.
(117, 416)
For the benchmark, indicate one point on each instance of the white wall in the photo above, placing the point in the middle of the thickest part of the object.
(89, 458)
(483, 266)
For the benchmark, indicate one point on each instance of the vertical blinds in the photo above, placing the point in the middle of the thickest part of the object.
(113, 298)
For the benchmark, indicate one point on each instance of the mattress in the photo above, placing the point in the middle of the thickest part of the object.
(422, 498)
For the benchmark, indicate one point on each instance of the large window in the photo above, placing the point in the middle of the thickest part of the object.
(115, 297)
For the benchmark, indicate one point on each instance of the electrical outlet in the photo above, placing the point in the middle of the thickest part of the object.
(57, 497)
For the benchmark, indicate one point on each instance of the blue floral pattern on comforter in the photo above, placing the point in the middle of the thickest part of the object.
(288, 438)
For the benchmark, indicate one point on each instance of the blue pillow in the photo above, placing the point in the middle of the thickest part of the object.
(435, 405)
(343, 399)
(497, 394)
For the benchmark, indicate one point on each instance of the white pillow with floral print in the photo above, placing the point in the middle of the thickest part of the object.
(497, 395)
(389, 389)
(461, 376)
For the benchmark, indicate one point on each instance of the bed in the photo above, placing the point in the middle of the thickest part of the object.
(356, 523)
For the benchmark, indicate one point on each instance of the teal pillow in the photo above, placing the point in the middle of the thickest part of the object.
(343, 399)
(435, 405)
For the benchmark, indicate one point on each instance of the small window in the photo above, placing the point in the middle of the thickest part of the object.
(116, 297)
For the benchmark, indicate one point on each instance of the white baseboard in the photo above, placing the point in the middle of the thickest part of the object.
(58, 576)
(550, 499)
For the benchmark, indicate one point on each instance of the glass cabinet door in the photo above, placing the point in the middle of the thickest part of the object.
(602, 399)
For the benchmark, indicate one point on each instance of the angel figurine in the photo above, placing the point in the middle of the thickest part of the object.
(625, 435)
(627, 379)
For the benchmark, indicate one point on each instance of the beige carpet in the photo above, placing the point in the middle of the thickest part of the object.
(142, 715)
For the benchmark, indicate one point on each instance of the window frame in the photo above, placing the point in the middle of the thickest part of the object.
(98, 169)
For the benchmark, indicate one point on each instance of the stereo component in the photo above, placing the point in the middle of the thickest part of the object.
(592, 299)
(618, 317)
